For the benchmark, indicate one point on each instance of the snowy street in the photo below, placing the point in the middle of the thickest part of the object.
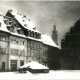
(52, 75)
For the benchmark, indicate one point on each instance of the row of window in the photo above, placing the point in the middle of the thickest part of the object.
(34, 44)
(15, 30)
(34, 35)
(18, 41)
(32, 52)
(17, 52)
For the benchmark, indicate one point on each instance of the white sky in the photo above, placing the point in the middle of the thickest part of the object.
(44, 13)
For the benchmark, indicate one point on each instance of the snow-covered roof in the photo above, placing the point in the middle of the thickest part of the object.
(3, 25)
(44, 38)
(34, 39)
(26, 23)
(18, 35)
(32, 65)
(47, 40)
(4, 28)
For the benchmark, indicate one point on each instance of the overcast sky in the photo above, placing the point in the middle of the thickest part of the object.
(43, 14)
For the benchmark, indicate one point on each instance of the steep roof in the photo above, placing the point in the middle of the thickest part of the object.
(26, 23)
(44, 38)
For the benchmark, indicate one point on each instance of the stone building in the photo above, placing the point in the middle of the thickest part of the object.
(21, 42)
(70, 48)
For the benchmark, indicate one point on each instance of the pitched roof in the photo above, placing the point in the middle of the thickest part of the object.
(32, 65)
(26, 23)
(44, 38)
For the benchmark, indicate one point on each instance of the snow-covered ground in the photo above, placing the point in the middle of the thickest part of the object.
(52, 75)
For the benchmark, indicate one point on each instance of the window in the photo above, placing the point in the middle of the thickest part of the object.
(34, 35)
(37, 45)
(0, 24)
(14, 51)
(25, 25)
(37, 35)
(2, 50)
(11, 39)
(29, 43)
(40, 45)
(21, 42)
(28, 19)
(29, 53)
(6, 22)
(21, 62)
(29, 33)
(13, 65)
(2, 37)
(17, 41)
(22, 52)
(23, 20)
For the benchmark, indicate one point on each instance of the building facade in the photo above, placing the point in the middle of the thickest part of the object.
(21, 42)
(70, 48)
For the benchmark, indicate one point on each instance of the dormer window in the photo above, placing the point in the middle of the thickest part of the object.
(34, 35)
(6, 22)
(34, 28)
(24, 16)
(25, 25)
(10, 19)
(23, 20)
(31, 34)
(0, 24)
(28, 33)
(28, 19)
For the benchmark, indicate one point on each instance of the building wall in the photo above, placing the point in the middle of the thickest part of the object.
(37, 51)
(18, 50)
(70, 48)
(22, 49)
(3, 50)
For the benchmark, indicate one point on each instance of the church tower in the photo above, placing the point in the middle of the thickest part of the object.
(55, 35)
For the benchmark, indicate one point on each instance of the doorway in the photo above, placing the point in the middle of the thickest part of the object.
(3, 66)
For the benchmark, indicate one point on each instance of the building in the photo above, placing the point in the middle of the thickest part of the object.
(70, 48)
(55, 35)
(21, 42)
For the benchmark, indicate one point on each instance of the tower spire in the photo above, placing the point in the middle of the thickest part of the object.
(54, 27)
(54, 34)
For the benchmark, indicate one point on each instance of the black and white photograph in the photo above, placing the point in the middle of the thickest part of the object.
(39, 39)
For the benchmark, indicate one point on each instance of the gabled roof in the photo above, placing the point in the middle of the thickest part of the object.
(34, 65)
(44, 38)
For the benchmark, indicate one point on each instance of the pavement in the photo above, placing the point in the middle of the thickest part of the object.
(52, 75)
